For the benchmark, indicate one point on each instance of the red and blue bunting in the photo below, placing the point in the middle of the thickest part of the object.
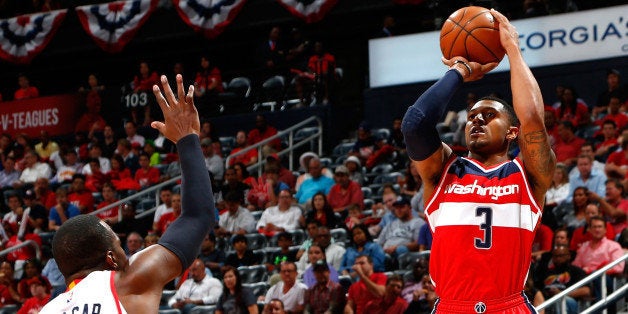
(112, 25)
(24, 37)
(310, 11)
(209, 17)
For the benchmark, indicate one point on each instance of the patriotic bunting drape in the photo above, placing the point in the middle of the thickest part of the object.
(112, 25)
(24, 37)
(209, 17)
(309, 10)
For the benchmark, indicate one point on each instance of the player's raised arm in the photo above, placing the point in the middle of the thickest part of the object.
(180, 244)
(527, 101)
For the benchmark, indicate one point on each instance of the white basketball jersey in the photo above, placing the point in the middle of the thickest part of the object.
(95, 294)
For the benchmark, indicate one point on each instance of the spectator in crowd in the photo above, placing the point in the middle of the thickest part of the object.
(325, 296)
(213, 258)
(8, 285)
(411, 186)
(91, 121)
(614, 87)
(542, 242)
(285, 254)
(384, 213)
(365, 144)
(265, 190)
(167, 218)
(208, 81)
(61, 212)
(617, 163)
(32, 269)
(213, 161)
(304, 162)
(614, 206)
(45, 147)
(396, 136)
(558, 191)
(249, 157)
(361, 244)
(370, 286)
(8, 175)
(614, 114)
(145, 79)
(146, 175)
(282, 217)
(242, 255)
(285, 175)
(25, 90)
(401, 235)
(589, 178)
(165, 197)
(355, 169)
(134, 243)
(608, 141)
(323, 65)
(235, 298)
(40, 296)
(128, 223)
(599, 251)
(71, 166)
(413, 285)
(150, 239)
(33, 170)
(317, 183)
(315, 254)
(153, 155)
(355, 217)
(571, 214)
(130, 129)
(391, 302)
(38, 215)
(263, 131)
(333, 251)
(344, 192)
(567, 145)
(130, 160)
(44, 195)
(311, 228)
(572, 108)
(120, 175)
(209, 130)
(582, 234)
(388, 26)
(322, 212)
(288, 290)
(79, 196)
(109, 142)
(271, 53)
(231, 184)
(199, 289)
(95, 180)
(382, 153)
(237, 219)
(425, 238)
(108, 192)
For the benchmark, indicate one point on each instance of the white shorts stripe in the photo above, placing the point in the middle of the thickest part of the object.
(510, 215)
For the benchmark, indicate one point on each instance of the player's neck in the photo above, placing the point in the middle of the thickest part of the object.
(490, 159)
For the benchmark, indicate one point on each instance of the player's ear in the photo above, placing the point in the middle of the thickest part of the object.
(111, 262)
(512, 133)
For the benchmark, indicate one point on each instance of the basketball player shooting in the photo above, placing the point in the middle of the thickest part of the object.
(100, 279)
(483, 209)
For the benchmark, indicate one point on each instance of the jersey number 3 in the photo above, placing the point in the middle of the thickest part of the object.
(487, 226)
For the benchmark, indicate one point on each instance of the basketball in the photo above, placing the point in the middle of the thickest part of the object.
(472, 33)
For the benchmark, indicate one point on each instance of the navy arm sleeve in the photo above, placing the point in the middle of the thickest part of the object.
(185, 235)
(419, 123)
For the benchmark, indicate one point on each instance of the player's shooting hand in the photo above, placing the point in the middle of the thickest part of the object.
(507, 33)
(180, 115)
(470, 71)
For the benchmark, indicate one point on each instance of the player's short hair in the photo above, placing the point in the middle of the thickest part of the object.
(81, 243)
(512, 116)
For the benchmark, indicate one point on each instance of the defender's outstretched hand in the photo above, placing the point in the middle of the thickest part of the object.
(470, 71)
(180, 114)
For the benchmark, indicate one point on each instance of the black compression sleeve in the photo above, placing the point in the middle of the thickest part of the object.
(185, 235)
(419, 123)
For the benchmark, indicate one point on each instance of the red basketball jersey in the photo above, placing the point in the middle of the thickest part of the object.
(483, 222)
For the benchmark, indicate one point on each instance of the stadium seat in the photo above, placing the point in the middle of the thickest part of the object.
(255, 241)
(339, 235)
(253, 274)
(367, 192)
(203, 309)
(381, 134)
(166, 295)
(272, 95)
(169, 311)
(342, 149)
(258, 288)
(407, 259)
(298, 236)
